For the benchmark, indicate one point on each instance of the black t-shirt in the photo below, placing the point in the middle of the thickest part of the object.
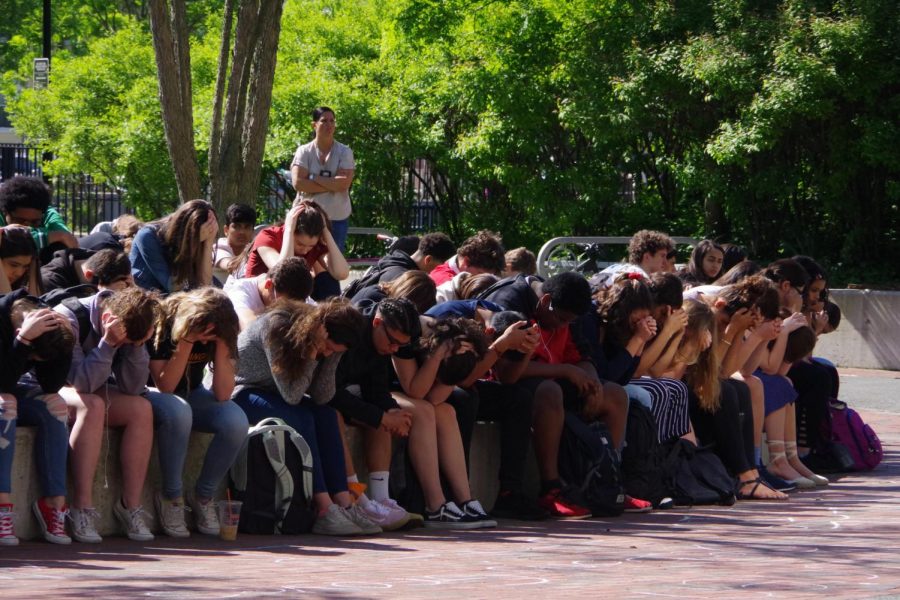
(514, 293)
(201, 354)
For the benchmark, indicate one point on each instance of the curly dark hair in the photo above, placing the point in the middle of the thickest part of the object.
(484, 250)
(645, 241)
(626, 295)
(24, 192)
(458, 365)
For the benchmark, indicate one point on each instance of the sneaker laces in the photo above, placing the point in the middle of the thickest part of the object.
(7, 520)
(475, 507)
(206, 512)
(450, 508)
(84, 518)
(137, 520)
(57, 524)
(377, 508)
(173, 514)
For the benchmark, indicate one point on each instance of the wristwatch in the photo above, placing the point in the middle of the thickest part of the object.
(311, 176)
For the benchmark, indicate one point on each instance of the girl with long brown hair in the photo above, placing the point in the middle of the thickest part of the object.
(175, 252)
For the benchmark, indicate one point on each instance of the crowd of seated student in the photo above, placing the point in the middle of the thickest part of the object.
(432, 339)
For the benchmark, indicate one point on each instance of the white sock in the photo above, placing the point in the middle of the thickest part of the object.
(378, 485)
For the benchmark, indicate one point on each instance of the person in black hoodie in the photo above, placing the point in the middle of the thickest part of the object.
(35, 351)
(434, 249)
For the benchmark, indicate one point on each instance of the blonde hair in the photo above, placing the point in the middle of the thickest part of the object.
(194, 311)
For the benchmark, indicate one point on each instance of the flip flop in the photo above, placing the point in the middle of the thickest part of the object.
(750, 496)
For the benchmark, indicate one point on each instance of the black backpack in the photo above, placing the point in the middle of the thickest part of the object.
(642, 457)
(696, 475)
(69, 297)
(273, 477)
(589, 467)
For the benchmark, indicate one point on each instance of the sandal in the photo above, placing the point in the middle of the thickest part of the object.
(752, 494)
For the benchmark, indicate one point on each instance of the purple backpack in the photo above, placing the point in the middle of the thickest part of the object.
(848, 428)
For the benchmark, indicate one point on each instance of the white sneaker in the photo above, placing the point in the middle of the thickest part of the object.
(171, 516)
(84, 528)
(358, 516)
(7, 522)
(204, 514)
(133, 520)
(387, 516)
(335, 521)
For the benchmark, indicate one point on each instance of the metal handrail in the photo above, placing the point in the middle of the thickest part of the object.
(548, 246)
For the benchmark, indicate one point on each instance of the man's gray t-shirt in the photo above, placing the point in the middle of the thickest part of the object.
(335, 204)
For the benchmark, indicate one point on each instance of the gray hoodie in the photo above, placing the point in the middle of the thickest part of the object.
(95, 362)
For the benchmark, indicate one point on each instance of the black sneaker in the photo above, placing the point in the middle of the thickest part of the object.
(516, 505)
(449, 516)
(473, 510)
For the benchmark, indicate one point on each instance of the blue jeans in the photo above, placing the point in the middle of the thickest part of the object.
(339, 232)
(173, 419)
(317, 424)
(51, 446)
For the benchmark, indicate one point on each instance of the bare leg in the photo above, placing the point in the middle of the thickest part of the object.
(451, 456)
(348, 458)
(379, 446)
(423, 451)
(778, 464)
(615, 412)
(135, 415)
(85, 441)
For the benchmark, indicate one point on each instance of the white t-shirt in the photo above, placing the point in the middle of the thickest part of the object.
(335, 204)
(244, 293)
(605, 278)
(702, 290)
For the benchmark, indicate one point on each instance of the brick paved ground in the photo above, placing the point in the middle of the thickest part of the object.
(839, 542)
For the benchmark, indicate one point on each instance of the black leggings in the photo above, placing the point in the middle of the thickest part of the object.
(816, 384)
(729, 430)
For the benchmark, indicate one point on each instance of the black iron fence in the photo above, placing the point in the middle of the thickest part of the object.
(83, 202)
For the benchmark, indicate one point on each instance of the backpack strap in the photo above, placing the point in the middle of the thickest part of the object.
(306, 458)
(273, 442)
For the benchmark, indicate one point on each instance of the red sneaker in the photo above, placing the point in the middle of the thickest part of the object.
(560, 508)
(7, 519)
(52, 522)
(636, 505)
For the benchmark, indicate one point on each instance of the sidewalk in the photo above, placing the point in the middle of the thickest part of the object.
(842, 541)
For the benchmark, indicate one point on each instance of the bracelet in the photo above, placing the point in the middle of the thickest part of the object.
(726, 342)
(23, 340)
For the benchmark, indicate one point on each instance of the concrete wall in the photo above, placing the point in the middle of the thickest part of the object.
(484, 458)
(869, 334)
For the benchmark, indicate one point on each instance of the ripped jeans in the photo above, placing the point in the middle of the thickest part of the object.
(28, 405)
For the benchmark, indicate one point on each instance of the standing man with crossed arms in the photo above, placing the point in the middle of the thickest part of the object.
(322, 170)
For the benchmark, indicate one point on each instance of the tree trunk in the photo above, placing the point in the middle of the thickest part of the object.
(171, 46)
(239, 135)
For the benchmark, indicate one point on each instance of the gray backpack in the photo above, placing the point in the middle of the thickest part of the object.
(273, 477)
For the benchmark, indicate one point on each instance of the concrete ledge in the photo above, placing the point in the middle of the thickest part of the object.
(485, 463)
(868, 335)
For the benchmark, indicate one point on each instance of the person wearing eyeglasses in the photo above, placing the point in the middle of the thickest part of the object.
(26, 201)
(649, 252)
(322, 170)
